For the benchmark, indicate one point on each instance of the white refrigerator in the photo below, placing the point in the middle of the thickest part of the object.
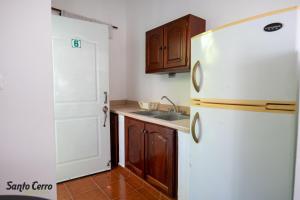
(243, 113)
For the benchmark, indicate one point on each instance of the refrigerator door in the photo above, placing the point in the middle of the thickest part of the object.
(245, 62)
(241, 155)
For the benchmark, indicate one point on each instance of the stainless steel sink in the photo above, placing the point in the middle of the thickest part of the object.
(149, 112)
(172, 116)
(169, 116)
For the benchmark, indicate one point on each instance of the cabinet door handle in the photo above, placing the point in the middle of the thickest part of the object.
(194, 81)
(195, 119)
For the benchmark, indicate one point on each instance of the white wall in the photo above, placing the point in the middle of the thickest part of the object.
(27, 148)
(144, 15)
(114, 12)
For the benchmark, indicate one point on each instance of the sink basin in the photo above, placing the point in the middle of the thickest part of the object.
(169, 116)
(172, 116)
(149, 113)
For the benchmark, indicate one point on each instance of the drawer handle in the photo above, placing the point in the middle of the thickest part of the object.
(194, 81)
(195, 119)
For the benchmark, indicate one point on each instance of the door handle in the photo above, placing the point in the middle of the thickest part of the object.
(195, 119)
(105, 97)
(194, 81)
(105, 110)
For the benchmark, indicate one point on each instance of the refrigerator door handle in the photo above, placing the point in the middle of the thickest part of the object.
(194, 135)
(194, 81)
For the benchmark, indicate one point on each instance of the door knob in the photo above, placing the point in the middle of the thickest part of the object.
(105, 110)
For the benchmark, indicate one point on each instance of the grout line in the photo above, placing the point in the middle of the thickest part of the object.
(100, 189)
(68, 191)
(131, 174)
(143, 184)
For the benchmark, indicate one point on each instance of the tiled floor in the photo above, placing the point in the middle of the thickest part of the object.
(118, 184)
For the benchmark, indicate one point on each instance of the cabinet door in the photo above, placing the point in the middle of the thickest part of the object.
(154, 50)
(175, 44)
(160, 162)
(134, 142)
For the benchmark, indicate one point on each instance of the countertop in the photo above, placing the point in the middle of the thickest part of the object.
(127, 109)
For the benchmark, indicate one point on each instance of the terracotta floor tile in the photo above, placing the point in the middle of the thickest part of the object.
(105, 179)
(134, 181)
(118, 189)
(133, 196)
(62, 193)
(81, 185)
(164, 197)
(91, 195)
(152, 190)
(117, 184)
(147, 194)
(120, 172)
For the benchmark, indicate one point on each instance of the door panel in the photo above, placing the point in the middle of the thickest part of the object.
(175, 41)
(154, 50)
(75, 75)
(161, 157)
(68, 132)
(80, 79)
(134, 138)
(243, 62)
(242, 155)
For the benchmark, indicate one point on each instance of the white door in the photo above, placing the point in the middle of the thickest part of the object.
(244, 62)
(242, 155)
(80, 59)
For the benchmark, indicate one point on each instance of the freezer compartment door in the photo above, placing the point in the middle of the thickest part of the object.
(241, 155)
(244, 62)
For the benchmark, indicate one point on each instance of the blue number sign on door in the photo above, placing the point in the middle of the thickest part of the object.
(76, 43)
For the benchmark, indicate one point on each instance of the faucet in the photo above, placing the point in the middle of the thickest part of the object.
(174, 106)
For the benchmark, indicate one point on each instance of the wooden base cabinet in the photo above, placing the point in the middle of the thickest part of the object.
(156, 159)
(160, 157)
(134, 144)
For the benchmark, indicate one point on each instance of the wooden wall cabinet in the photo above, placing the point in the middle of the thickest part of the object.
(154, 49)
(156, 159)
(168, 47)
